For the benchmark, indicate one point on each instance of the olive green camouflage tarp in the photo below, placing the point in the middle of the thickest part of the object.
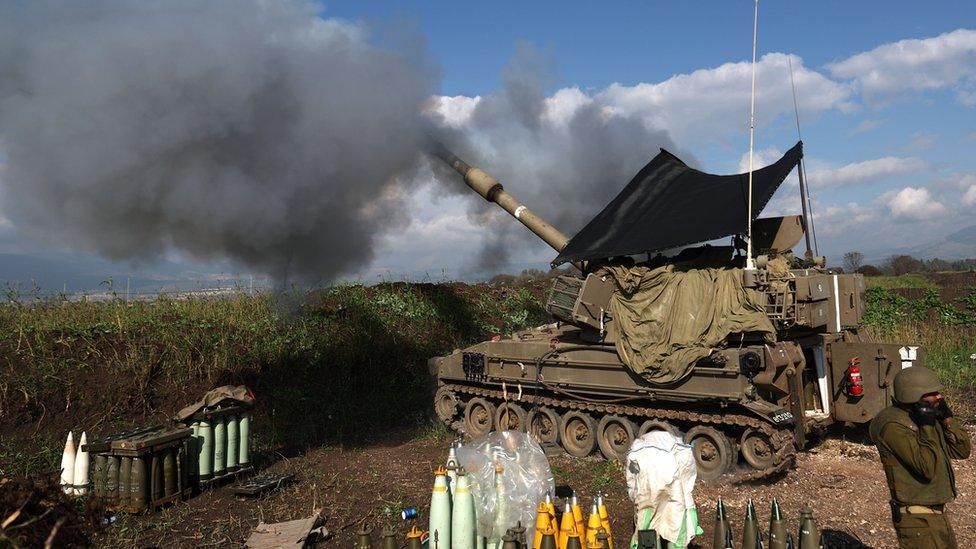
(664, 320)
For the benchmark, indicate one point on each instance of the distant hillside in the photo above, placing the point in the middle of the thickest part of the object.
(958, 245)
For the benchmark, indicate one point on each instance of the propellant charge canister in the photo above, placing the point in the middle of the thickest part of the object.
(244, 455)
(233, 443)
(220, 446)
(206, 447)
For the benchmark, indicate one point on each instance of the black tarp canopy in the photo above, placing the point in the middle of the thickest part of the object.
(667, 204)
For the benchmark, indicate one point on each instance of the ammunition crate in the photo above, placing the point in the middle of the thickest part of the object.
(140, 470)
(220, 445)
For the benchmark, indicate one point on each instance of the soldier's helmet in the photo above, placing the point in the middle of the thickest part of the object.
(913, 383)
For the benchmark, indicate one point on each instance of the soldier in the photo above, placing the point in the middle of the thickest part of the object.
(916, 438)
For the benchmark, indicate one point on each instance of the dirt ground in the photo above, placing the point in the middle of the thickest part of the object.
(842, 481)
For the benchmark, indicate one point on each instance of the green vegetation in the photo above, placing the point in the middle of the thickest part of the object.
(903, 281)
(945, 331)
(333, 366)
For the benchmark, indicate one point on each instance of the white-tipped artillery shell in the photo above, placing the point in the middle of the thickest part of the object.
(68, 465)
(82, 462)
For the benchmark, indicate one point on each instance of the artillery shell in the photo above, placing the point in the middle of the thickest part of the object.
(101, 467)
(169, 472)
(157, 482)
(125, 478)
(138, 484)
(112, 480)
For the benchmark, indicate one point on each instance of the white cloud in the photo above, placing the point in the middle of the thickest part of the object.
(761, 158)
(922, 141)
(866, 171)
(865, 126)
(562, 104)
(713, 102)
(915, 204)
(912, 65)
(969, 199)
(451, 111)
(843, 219)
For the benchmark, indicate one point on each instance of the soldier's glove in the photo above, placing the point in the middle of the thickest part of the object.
(923, 414)
(944, 411)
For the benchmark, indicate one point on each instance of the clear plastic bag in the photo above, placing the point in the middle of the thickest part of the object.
(510, 475)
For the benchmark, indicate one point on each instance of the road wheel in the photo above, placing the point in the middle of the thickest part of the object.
(544, 425)
(510, 417)
(713, 450)
(757, 449)
(615, 435)
(658, 425)
(478, 417)
(445, 404)
(578, 433)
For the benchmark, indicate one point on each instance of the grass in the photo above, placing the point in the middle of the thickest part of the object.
(946, 333)
(907, 281)
(334, 365)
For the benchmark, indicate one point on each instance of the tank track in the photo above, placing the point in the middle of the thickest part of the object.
(782, 439)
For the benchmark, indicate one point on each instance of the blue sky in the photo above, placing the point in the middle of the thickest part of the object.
(887, 95)
(890, 160)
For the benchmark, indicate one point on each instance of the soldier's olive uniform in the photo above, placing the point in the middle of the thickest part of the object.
(920, 477)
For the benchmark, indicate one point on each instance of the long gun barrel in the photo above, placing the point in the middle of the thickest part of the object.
(492, 191)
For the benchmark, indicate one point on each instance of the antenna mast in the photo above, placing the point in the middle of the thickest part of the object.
(801, 172)
(750, 265)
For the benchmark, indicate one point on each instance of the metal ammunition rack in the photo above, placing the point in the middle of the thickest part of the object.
(220, 444)
(140, 470)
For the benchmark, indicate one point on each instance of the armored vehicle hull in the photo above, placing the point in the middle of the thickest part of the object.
(746, 406)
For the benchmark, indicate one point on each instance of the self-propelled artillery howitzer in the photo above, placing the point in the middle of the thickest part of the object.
(659, 331)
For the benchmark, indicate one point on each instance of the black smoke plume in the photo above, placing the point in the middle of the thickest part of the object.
(563, 156)
(255, 131)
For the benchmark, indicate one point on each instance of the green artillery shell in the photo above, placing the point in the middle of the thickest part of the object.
(206, 448)
(362, 538)
(244, 453)
(125, 476)
(750, 531)
(233, 443)
(220, 447)
(548, 541)
(156, 486)
(138, 484)
(809, 535)
(722, 526)
(112, 480)
(573, 543)
(777, 527)
(169, 471)
(101, 467)
(389, 539)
